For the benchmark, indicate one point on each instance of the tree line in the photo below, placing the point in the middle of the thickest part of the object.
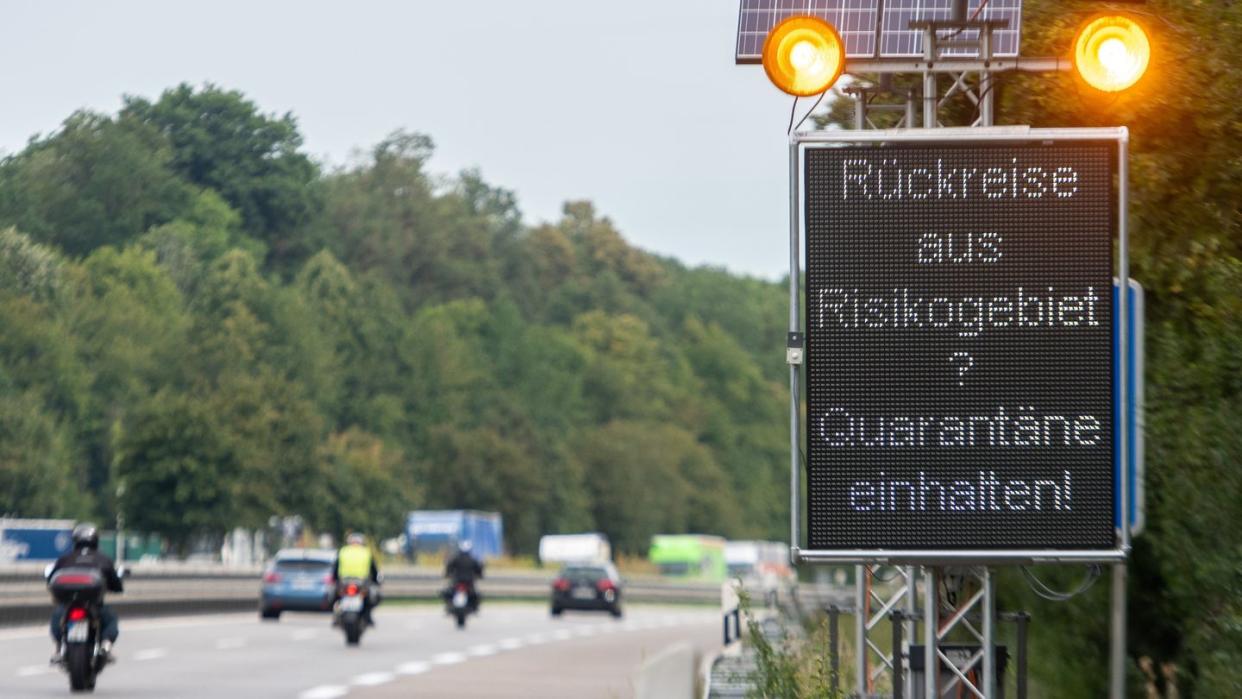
(205, 328)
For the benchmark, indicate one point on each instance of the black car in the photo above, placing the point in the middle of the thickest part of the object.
(595, 587)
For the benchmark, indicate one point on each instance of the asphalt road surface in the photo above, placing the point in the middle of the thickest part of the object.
(509, 649)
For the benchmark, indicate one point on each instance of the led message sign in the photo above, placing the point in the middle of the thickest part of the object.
(959, 348)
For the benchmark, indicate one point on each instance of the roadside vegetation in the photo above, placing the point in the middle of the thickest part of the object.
(203, 328)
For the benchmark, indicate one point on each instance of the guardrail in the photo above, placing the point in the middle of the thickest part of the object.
(172, 588)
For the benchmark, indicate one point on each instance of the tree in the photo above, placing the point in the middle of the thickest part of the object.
(220, 140)
(181, 475)
(97, 181)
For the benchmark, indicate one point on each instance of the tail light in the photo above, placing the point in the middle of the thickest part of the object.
(271, 577)
(560, 585)
(463, 587)
(605, 585)
(77, 614)
(351, 589)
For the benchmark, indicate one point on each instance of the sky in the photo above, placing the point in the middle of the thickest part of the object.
(635, 105)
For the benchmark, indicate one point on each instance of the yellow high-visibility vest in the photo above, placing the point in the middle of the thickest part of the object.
(354, 561)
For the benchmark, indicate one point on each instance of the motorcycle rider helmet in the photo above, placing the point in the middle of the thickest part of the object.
(464, 546)
(86, 536)
(356, 539)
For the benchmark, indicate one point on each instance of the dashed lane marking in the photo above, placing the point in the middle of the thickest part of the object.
(33, 670)
(151, 654)
(535, 639)
(448, 658)
(230, 643)
(327, 691)
(373, 679)
(481, 650)
(416, 667)
(511, 644)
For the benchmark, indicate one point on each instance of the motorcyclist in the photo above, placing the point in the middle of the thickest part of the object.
(355, 560)
(85, 554)
(464, 568)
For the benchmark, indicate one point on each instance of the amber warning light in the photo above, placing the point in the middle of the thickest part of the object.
(803, 56)
(1111, 53)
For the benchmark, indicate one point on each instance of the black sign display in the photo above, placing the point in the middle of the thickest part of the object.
(959, 350)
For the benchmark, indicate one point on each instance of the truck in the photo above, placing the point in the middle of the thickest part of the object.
(34, 539)
(574, 548)
(440, 531)
(762, 567)
(692, 556)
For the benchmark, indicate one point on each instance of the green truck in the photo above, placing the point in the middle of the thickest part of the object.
(691, 556)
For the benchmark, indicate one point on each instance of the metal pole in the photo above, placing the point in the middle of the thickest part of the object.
(929, 80)
(1117, 664)
(909, 124)
(911, 618)
(860, 110)
(1023, 618)
(834, 649)
(860, 628)
(795, 440)
(1117, 659)
(899, 686)
(989, 634)
(931, 629)
(987, 116)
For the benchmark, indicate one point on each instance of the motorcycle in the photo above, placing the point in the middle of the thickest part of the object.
(461, 602)
(350, 605)
(80, 591)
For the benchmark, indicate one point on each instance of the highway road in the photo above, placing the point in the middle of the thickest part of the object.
(509, 649)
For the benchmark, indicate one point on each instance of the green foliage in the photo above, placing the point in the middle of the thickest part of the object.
(220, 140)
(97, 181)
(1186, 248)
(204, 331)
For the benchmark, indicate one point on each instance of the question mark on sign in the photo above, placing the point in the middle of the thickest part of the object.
(964, 362)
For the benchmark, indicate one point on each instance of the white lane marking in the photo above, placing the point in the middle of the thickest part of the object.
(134, 626)
(304, 634)
(585, 631)
(230, 643)
(535, 639)
(33, 670)
(511, 644)
(414, 668)
(481, 650)
(151, 654)
(448, 658)
(327, 691)
(561, 634)
(373, 679)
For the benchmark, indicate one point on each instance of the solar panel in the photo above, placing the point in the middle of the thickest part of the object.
(899, 40)
(858, 20)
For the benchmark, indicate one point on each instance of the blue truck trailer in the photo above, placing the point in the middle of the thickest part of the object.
(34, 539)
(439, 531)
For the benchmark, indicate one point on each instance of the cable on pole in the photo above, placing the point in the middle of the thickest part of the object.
(1040, 588)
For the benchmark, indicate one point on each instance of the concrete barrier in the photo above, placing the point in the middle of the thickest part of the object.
(163, 588)
(668, 674)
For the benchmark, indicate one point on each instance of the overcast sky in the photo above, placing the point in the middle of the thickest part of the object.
(633, 104)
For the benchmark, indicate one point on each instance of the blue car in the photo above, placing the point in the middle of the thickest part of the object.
(298, 580)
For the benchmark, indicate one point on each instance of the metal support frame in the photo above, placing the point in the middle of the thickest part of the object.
(984, 98)
(896, 604)
(976, 617)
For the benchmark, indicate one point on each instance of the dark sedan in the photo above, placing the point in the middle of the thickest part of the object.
(298, 580)
(595, 587)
